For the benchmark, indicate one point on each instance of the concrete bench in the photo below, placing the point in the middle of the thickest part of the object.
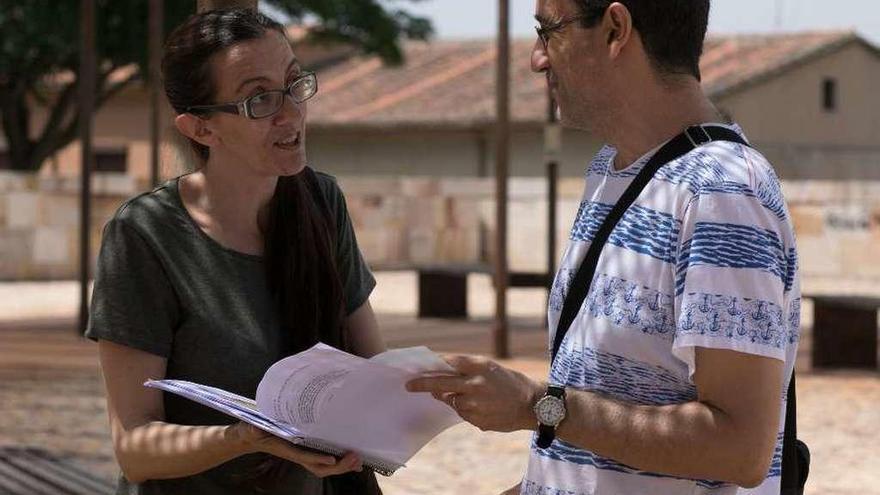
(29, 471)
(442, 288)
(844, 331)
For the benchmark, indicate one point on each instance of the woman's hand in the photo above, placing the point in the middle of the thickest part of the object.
(254, 440)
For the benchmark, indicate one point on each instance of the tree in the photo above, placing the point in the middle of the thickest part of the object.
(364, 23)
(39, 56)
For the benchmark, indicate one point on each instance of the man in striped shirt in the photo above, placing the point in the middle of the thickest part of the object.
(673, 370)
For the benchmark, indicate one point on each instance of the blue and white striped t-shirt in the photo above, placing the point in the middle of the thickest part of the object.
(705, 257)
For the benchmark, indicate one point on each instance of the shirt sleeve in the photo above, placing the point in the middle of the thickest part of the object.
(133, 302)
(735, 268)
(357, 279)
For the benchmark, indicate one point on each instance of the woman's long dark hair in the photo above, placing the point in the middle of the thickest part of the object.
(300, 235)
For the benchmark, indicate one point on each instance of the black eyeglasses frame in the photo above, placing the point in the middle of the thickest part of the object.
(243, 107)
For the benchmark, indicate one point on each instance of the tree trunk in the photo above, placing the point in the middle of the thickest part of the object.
(205, 5)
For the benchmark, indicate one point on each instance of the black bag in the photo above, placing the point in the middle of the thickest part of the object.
(795, 454)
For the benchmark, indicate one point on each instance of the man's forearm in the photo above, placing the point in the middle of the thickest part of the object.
(728, 434)
(690, 440)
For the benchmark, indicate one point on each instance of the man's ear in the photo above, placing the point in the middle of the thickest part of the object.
(196, 129)
(618, 25)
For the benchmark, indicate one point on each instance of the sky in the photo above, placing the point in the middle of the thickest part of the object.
(478, 18)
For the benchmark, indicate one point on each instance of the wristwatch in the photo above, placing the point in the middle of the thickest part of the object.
(550, 411)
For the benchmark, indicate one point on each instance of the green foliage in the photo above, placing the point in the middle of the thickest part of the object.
(365, 23)
(41, 38)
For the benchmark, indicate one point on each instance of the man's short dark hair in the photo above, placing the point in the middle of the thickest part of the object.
(672, 31)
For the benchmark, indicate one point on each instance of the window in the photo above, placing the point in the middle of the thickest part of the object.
(829, 94)
(110, 161)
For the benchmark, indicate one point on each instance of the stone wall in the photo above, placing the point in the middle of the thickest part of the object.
(399, 221)
(838, 228)
(39, 222)
(410, 221)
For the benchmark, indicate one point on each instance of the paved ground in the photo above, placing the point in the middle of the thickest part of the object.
(51, 394)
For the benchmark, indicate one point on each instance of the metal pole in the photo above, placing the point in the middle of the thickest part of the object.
(552, 147)
(87, 82)
(502, 143)
(155, 49)
(552, 198)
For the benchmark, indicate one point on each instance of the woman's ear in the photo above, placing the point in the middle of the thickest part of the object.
(196, 129)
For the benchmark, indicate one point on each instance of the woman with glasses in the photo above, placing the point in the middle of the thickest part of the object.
(215, 275)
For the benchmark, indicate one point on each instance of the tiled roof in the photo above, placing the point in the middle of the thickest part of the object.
(451, 83)
(442, 82)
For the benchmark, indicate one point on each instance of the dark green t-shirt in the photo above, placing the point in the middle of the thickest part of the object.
(165, 287)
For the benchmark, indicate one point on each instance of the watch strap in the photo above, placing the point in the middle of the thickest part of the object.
(546, 434)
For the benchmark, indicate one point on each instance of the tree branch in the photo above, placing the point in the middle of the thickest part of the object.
(107, 92)
(60, 109)
(62, 135)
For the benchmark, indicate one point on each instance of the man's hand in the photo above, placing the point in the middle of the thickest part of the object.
(485, 394)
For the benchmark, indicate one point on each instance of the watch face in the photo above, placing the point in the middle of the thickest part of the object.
(550, 410)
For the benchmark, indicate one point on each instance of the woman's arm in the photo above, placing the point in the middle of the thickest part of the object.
(147, 447)
(362, 331)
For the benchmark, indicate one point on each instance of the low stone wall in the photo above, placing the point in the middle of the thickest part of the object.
(407, 221)
(40, 218)
(424, 220)
(399, 221)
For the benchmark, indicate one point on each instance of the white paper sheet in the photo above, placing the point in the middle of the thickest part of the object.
(358, 403)
(336, 402)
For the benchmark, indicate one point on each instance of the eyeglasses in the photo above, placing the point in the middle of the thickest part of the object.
(544, 31)
(267, 103)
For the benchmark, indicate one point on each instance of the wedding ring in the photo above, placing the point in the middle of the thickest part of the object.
(453, 402)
